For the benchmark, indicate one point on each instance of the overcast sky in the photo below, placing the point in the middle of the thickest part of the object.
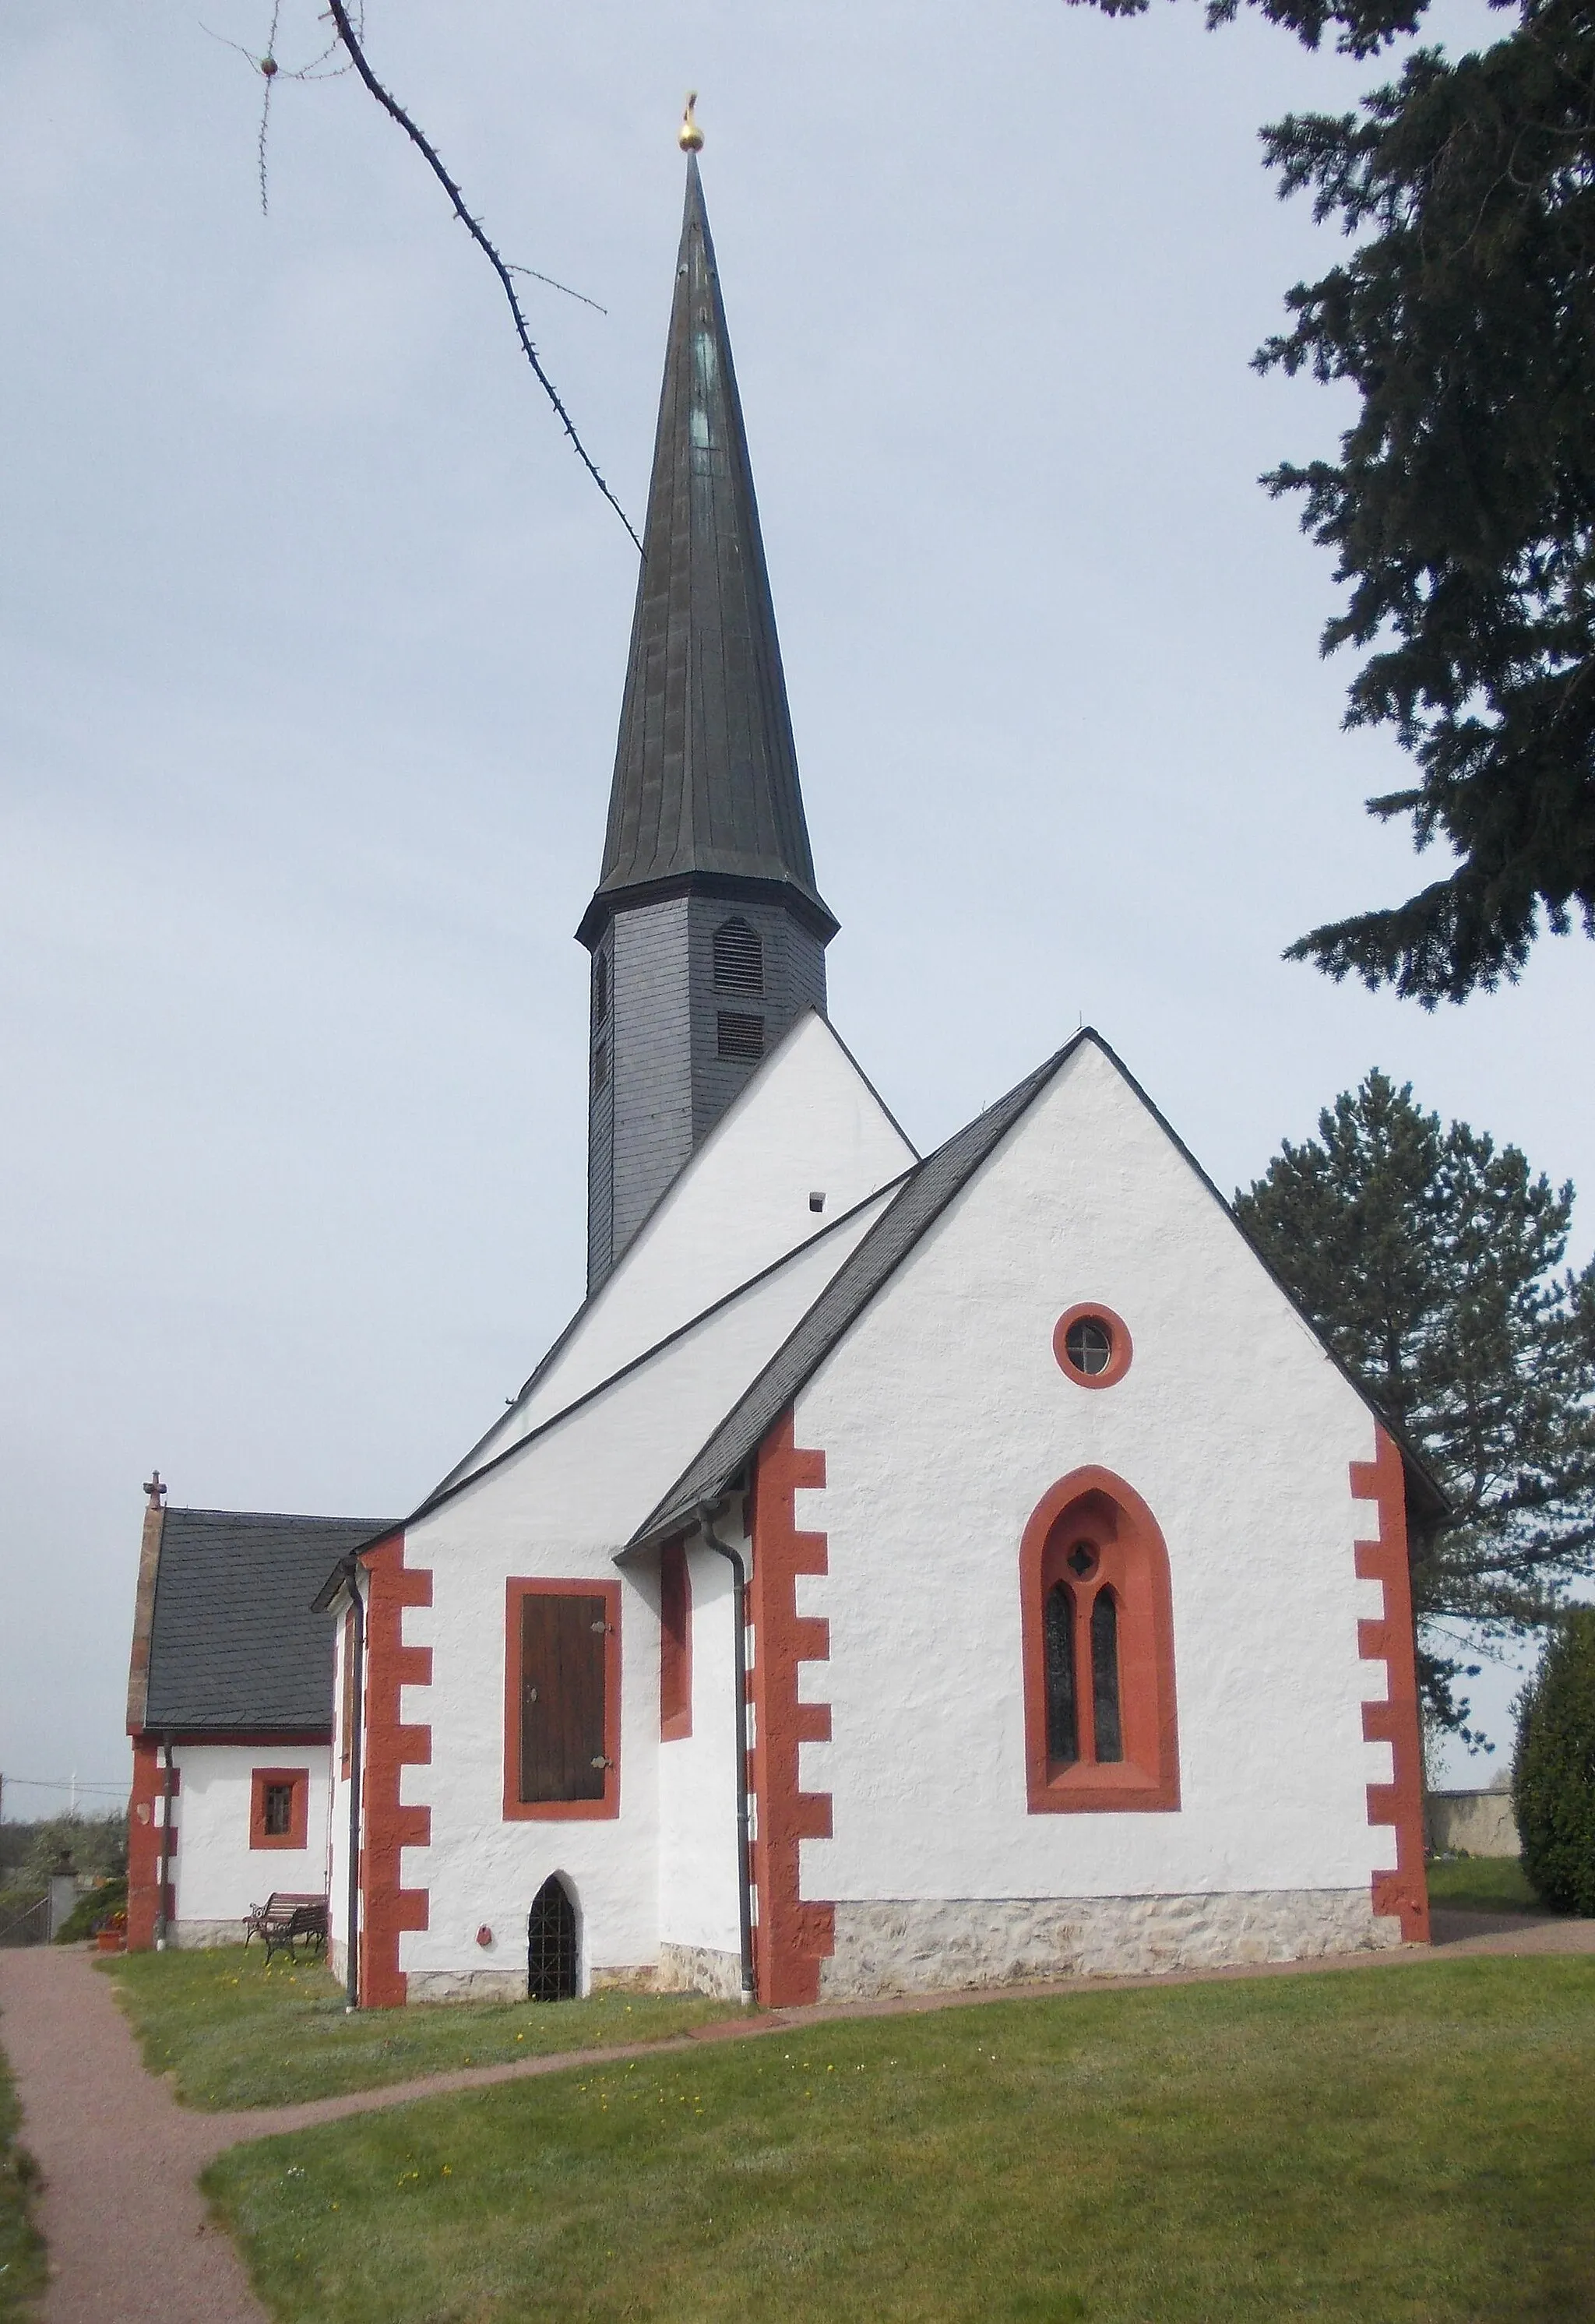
(313, 637)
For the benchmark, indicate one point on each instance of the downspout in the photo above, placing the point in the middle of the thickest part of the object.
(739, 1592)
(161, 1920)
(357, 1739)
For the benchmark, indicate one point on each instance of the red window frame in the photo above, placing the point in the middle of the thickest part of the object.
(1132, 1560)
(675, 1643)
(516, 1809)
(299, 1824)
(1088, 1311)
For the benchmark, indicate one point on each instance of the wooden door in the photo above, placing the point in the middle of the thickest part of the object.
(562, 1642)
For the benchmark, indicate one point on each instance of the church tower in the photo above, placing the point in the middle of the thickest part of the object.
(706, 930)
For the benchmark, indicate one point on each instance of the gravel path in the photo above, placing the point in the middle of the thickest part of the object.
(130, 2239)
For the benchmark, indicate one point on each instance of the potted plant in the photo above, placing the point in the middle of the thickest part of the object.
(110, 1935)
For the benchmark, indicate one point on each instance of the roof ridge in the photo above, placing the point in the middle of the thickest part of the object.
(936, 1180)
(795, 1362)
(268, 1517)
(732, 1113)
(455, 1483)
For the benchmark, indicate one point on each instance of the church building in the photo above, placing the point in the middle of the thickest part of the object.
(904, 1571)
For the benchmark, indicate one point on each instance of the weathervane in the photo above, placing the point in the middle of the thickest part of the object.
(689, 136)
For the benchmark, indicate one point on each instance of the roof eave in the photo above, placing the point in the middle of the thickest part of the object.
(729, 887)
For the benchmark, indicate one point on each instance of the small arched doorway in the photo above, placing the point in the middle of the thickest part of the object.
(551, 1967)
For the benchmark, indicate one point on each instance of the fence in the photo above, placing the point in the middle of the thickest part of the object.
(29, 1926)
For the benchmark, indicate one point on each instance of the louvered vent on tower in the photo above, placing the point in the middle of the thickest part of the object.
(739, 1036)
(739, 958)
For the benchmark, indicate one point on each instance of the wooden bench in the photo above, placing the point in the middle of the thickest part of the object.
(286, 1919)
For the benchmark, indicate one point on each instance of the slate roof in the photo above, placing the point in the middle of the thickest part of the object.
(234, 1644)
(706, 773)
(925, 1194)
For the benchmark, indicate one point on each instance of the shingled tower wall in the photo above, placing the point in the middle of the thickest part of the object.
(707, 836)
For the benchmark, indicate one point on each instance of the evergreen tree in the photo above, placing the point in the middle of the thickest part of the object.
(1429, 1260)
(1463, 506)
(1553, 1770)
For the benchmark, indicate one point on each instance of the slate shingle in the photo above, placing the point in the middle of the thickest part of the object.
(705, 776)
(235, 1644)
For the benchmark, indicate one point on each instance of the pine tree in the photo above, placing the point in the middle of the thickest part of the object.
(1461, 509)
(1429, 1260)
(1553, 1771)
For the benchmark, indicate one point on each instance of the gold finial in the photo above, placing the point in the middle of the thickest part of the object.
(689, 136)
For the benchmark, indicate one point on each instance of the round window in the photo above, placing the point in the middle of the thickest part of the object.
(1092, 1346)
(1089, 1345)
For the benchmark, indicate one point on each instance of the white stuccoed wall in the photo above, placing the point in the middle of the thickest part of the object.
(700, 1910)
(561, 1507)
(807, 1122)
(944, 1417)
(338, 1853)
(218, 1875)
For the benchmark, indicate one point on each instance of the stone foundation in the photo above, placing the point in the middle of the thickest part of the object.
(197, 1936)
(944, 1944)
(699, 1968)
(637, 1977)
(465, 1985)
(510, 1984)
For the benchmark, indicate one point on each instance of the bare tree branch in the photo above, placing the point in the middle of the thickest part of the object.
(391, 106)
(555, 285)
(268, 78)
(271, 72)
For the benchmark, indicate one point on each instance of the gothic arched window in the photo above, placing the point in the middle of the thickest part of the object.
(739, 958)
(1100, 1725)
(1063, 1720)
(1104, 1677)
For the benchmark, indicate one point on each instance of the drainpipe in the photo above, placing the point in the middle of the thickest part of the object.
(160, 1923)
(707, 1516)
(357, 1739)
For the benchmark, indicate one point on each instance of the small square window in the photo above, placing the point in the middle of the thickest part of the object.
(279, 1807)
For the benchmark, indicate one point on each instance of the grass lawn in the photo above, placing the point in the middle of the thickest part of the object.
(1411, 2143)
(1482, 1883)
(233, 2032)
(22, 2252)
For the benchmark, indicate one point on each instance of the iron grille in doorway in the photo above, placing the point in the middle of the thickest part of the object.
(551, 1963)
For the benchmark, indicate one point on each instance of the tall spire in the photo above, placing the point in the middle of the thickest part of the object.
(708, 932)
(706, 773)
